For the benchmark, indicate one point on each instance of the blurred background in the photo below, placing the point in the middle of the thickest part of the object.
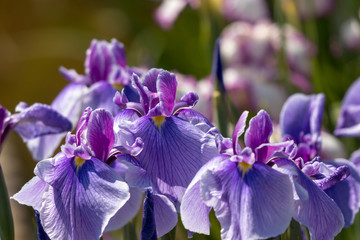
(270, 49)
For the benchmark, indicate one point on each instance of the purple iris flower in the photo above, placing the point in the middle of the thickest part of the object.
(177, 140)
(332, 195)
(32, 121)
(76, 192)
(105, 73)
(349, 119)
(251, 200)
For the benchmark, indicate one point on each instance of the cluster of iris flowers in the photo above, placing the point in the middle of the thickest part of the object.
(139, 144)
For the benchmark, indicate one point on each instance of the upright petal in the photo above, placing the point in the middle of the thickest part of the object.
(239, 130)
(259, 131)
(100, 133)
(166, 86)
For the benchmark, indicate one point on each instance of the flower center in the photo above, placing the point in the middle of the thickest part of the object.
(118, 86)
(78, 162)
(158, 121)
(244, 167)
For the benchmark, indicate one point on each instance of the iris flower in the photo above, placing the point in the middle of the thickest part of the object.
(251, 200)
(326, 194)
(76, 192)
(177, 140)
(105, 72)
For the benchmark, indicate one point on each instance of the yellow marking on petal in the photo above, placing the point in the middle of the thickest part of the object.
(159, 120)
(78, 162)
(244, 167)
(118, 86)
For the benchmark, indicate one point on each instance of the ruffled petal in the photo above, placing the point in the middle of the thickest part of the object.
(100, 133)
(259, 131)
(319, 213)
(80, 200)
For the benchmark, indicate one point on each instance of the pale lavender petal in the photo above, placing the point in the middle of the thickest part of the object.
(189, 100)
(193, 211)
(79, 202)
(259, 131)
(168, 12)
(355, 158)
(238, 131)
(118, 51)
(101, 95)
(73, 76)
(31, 193)
(198, 120)
(319, 213)
(165, 214)
(38, 120)
(127, 212)
(100, 133)
(260, 203)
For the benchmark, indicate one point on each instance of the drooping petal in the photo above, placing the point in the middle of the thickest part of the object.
(81, 199)
(40, 230)
(346, 193)
(126, 212)
(261, 203)
(31, 193)
(267, 150)
(238, 131)
(319, 213)
(172, 154)
(198, 120)
(100, 133)
(193, 211)
(38, 120)
(259, 131)
(69, 103)
(165, 214)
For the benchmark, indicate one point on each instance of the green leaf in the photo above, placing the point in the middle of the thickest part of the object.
(6, 221)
